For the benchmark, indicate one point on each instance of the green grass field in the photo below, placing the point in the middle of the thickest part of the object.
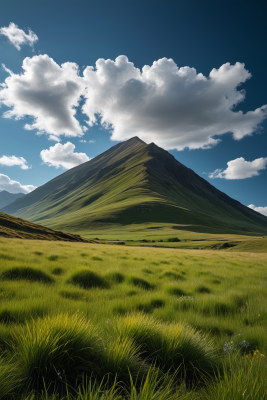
(103, 321)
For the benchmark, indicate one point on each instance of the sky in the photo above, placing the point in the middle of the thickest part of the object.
(78, 77)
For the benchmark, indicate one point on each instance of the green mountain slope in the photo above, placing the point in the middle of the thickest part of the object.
(131, 184)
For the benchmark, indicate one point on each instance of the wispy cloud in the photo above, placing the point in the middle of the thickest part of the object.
(17, 36)
(240, 169)
(10, 161)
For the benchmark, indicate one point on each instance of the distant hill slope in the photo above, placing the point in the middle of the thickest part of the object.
(13, 227)
(6, 198)
(135, 183)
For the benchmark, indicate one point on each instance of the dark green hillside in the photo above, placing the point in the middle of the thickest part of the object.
(135, 184)
(12, 227)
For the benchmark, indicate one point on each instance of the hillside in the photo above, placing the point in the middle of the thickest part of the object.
(133, 184)
(7, 198)
(12, 227)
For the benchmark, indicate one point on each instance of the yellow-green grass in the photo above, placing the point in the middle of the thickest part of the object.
(164, 235)
(221, 294)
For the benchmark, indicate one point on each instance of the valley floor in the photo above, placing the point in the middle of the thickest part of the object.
(215, 301)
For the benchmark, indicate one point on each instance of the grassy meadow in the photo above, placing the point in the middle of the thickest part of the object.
(102, 321)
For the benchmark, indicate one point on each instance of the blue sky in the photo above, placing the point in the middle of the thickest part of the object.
(205, 121)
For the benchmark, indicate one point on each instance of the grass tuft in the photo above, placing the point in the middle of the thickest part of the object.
(26, 273)
(173, 347)
(71, 295)
(139, 282)
(115, 277)
(174, 290)
(202, 289)
(172, 275)
(121, 357)
(6, 257)
(87, 279)
(53, 257)
(46, 347)
(58, 271)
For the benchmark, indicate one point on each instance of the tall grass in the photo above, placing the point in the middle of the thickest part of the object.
(173, 347)
(170, 311)
(46, 350)
(241, 378)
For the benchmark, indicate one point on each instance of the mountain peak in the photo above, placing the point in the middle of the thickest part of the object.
(133, 183)
(135, 139)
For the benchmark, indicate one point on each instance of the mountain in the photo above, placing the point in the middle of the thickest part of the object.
(12, 227)
(134, 183)
(6, 198)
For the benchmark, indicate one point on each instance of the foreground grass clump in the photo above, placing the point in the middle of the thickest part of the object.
(44, 348)
(8, 378)
(171, 347)
(241, 378)
(26, 273)
(50, 351)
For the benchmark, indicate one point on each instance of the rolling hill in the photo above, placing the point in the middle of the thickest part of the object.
(134, 184)
(7, 198)
(12, 227)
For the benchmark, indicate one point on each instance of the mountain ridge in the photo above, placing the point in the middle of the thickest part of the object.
(135, 183)
(7, 198)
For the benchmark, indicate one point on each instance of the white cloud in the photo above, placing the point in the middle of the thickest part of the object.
(83, 141)
(10, 161)
(91, 141)
(62, 155)
(54, 138)
(173, 107)
(17, 36)
(262, 210)
(46, 92)
(13, 186)
(240, 169)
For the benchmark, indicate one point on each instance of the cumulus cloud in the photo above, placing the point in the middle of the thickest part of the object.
(46, 92)
(17, 36)
(173, 107)
(262, 210)
(13, 186)
(240, 169)
(10, 161)
(63, 155)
